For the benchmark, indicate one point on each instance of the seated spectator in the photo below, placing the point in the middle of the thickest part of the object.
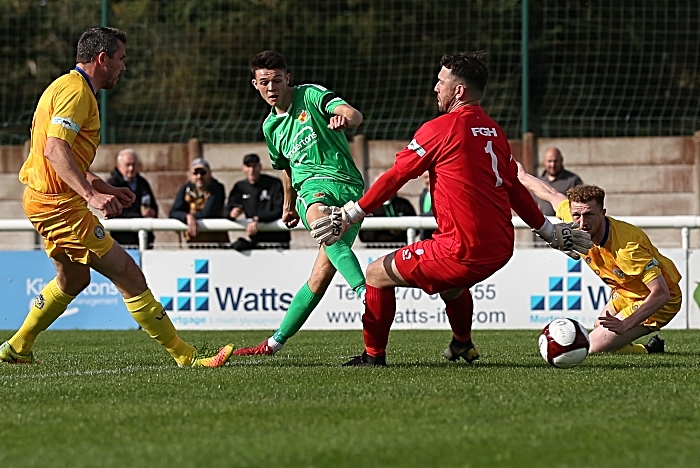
(395, 206)
(425, 206)
(259, 198)
(201, 198)
(127, 174)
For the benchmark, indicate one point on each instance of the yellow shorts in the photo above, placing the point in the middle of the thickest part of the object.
(67, 225)
(660, 319)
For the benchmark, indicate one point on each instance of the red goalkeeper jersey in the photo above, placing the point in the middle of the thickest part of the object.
(473, 184)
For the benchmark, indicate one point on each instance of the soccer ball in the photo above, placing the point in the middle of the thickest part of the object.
(564, 343)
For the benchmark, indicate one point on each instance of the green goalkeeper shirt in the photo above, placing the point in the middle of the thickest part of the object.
(301, 140)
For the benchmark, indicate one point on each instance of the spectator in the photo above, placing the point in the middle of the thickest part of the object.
(392, 208)
(201, 198)
(127, 174)
(259, 197)
(557, 177)
(425, 206)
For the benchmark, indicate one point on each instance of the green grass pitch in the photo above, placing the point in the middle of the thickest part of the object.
(117, 399)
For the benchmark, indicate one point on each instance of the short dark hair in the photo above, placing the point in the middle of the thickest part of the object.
(586, 193)
(268, 60)
(468, 67)
(97, 40)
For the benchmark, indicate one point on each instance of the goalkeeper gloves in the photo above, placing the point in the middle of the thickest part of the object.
(329, 229)
(565, 237)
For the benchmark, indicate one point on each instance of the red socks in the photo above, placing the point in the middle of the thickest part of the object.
(380, 309)
(460, 312)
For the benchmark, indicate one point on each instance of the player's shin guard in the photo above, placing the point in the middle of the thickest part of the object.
(460, 312)
(151, 316)
(380, 309)
(48, 306)
(304, 302)
(344, 260)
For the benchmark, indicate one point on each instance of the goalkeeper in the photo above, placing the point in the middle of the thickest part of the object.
(473, 185)
(304, 135)
(646, 294)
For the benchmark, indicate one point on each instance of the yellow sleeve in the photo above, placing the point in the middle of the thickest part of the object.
(563, 211)
(634, 260)
(71, 108)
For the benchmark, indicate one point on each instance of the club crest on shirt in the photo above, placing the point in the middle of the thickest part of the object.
(619, 273)
(303, 116)
(99, 232)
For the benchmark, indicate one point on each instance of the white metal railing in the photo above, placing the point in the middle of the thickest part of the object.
(411, 223)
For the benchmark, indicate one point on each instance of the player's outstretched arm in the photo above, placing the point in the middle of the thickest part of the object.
(561, 236)
(540, 189)
(329, 229)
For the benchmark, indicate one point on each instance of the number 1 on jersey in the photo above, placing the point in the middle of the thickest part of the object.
(494, 162)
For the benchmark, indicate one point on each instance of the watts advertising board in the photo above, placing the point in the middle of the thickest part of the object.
(231, 290)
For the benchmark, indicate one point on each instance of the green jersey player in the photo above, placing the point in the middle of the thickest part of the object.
(304, 135)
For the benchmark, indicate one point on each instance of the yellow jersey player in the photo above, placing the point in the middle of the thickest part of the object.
(645, 291)
(65, 134)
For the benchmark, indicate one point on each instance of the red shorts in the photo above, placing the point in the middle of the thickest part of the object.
(424, 265)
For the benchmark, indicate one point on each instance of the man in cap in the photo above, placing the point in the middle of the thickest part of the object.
(202, 197)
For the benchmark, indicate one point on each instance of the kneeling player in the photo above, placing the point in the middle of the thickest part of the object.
(645, 291)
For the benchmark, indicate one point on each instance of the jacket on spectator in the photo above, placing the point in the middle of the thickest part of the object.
(263, 199)
(144, 197)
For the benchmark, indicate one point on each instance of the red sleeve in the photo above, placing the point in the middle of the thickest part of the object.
(411, 162)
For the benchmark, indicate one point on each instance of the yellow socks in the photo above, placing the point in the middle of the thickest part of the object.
(632, 348)
(150, 314)
(48, 306)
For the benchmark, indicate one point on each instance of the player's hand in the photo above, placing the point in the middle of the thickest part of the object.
(612, 323)
(338, 122)
(330, 228)
(566, 237)
(108, 205)
(125, 196)
(290, 217)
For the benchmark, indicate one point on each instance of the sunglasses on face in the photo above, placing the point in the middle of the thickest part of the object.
(199, 172)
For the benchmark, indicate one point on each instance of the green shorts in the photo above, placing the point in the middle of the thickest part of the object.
(330, 193)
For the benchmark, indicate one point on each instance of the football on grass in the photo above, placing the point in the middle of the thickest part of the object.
(564, 343)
